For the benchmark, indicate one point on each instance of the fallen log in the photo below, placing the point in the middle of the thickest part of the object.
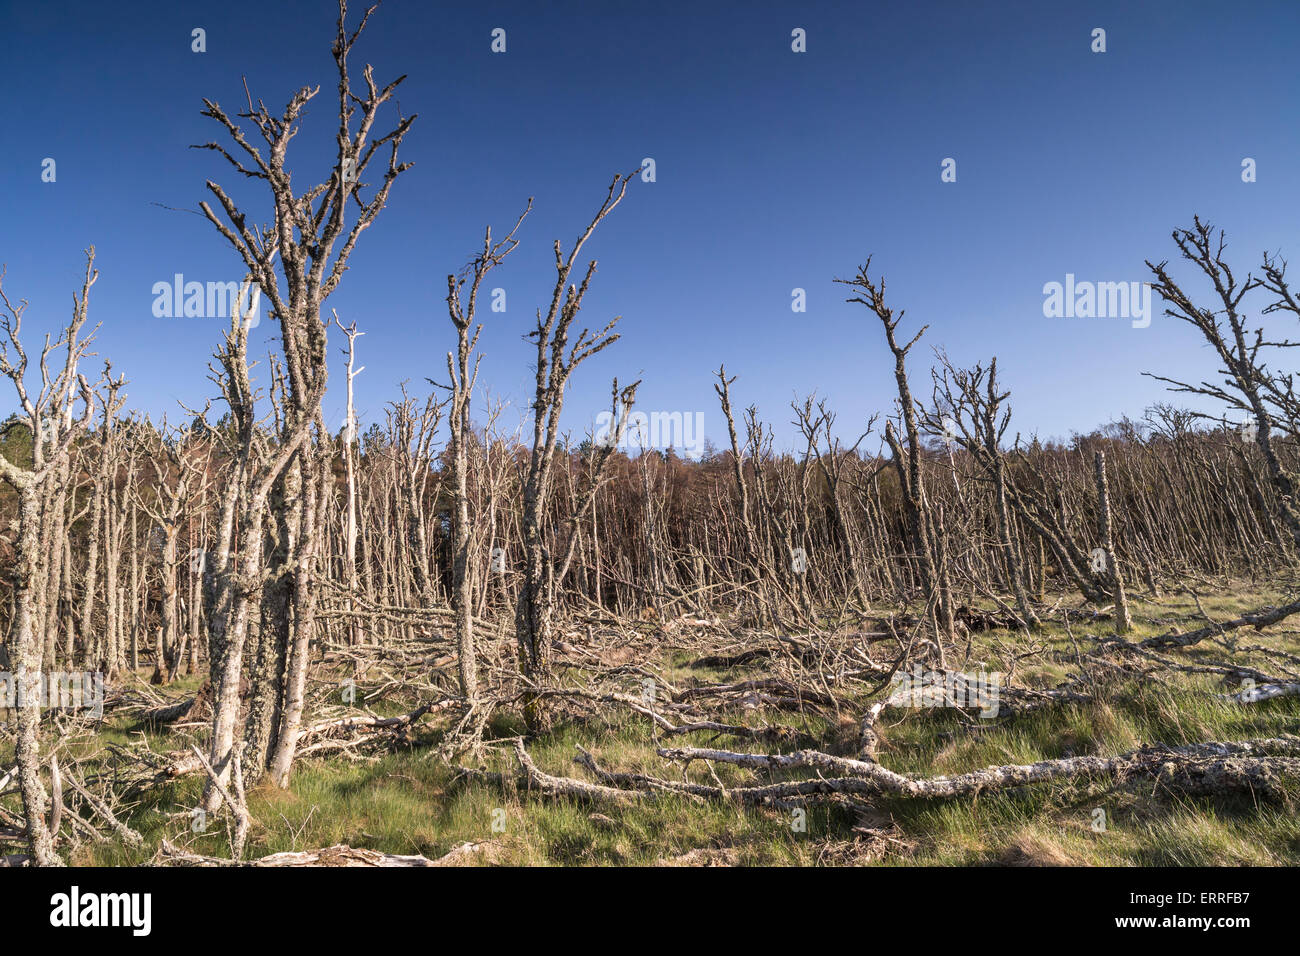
(339, 855)
(1200, 768)
(1207, 768)
(568, 787)
(169, 713)
(1257, 619)
(1253, 695)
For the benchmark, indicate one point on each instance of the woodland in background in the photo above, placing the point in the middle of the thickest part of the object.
(480, 565)
(130, 547)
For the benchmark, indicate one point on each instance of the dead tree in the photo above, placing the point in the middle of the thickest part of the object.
(556, 362)
(99, 495)
(1265, 398)
(236, 564)
(414, 430)
(907, 458)
(749, 555)
(978, 422)
(120, 478)
(313, 239)
(1123, 620)
(1040, 502)
(177, 481)
(55, 426)
(831, 465)
(350, 476)
(463, 311)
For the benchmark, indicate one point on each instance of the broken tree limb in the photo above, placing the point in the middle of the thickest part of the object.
(1257, 619)
(56, 796)
(339, 855)
(777, 793)
(951, 689)
(169, 713)
(238, 807)
(640, 781)
(567, 786)
(368, 726)
(130, 837)
(1205, 767)
(1253, 695)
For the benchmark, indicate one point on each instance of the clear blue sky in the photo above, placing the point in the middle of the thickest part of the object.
(775, 170)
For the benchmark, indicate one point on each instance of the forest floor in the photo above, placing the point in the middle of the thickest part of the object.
(404, 800)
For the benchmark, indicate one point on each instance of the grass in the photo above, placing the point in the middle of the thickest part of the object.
(408, 802)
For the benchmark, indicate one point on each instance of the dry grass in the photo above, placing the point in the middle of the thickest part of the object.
(409, 802)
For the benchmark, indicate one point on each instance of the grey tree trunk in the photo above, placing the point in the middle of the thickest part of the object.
(1123, 619)
(27, 654)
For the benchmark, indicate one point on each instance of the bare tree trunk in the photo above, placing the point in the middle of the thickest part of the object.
(27, 655)
(350, 472)
(1123, 620)
(59, 390)
(136, 622)
(555, 363)
(907, 460)
(463, 311)
(304, 621)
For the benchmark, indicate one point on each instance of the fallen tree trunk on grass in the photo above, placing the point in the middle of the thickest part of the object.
(1253, 695)
(568, 787)
(1197, 768)
(1205, 768)
(340, 855)
(1257, 619)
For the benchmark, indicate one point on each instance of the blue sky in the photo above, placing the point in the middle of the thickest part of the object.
(774, 171)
